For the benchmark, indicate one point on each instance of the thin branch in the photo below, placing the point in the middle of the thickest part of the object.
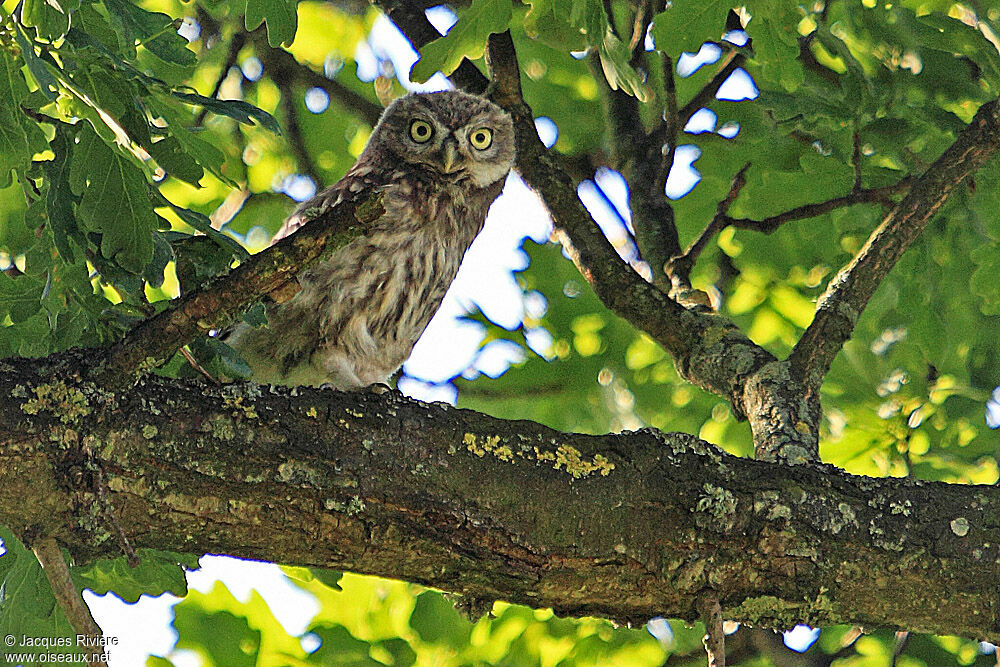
(848, 293)
(872, 196)
(221, 300)
(732, 62)
(50, 557)
(680, 267)
(715, 638)
(856, 162)
(293, 130)
(285, 68)
(236, 44)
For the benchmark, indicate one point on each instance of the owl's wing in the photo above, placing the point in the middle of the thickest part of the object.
(359, 182)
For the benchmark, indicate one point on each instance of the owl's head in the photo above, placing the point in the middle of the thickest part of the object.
(460, 137)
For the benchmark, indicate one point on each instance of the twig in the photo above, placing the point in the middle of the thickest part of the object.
(715, 638)
(856, 162)
(236, 44)
(848, 293)
(284, 67)
(873, 196)
(296, 140)
(221, 300)
(732, 62)
(680, 267)
(195, 365)
(50, 557)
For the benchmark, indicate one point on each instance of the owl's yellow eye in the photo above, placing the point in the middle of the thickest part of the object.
(421, 131)
(481, 138)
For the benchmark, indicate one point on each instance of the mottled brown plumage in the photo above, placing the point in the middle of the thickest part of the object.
(439, 160)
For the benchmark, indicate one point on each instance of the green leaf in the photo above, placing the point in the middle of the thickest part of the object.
(220, 359)
(50, 19)
(985, 280)
(466, 39)
(14, 152)
(340, 647)
(615, 55)
(225, 639)
(114, 201)
(59, 197)
(281, 18)
(256, 316)
(239, 110)
(46, 81)
(776, 47)
(169, 154)
(435, 619)
(687, 24)
(157, 32)
(27, 605)
(158, 572)
(20, 297)
(203, 224)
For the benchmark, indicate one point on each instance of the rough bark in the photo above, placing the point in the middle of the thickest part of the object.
(623, 526)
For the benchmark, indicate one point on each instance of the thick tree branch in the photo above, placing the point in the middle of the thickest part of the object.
(624, 526)
(218, 303)
(848, 293)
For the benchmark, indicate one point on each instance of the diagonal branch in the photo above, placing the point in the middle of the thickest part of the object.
(220, 301)
(771, 223)
(848, 293)
(681, 266)
(732, 62)
(284, 69)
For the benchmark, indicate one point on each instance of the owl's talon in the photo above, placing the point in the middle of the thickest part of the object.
(378, 388)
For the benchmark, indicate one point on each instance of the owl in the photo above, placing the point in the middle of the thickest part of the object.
(439, 160)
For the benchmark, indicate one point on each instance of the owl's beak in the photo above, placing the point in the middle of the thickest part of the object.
(449, 155)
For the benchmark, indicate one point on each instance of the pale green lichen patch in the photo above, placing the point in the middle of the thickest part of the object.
(236, 404)
(149, 431)
(65, 402)
(565, 457)
(354, 506)
(960, 526)
(719, 504)
(223, 429)
(312, 412)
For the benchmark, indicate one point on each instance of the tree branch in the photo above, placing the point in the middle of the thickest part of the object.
(848, 293)
(285, 68)
(625, 526)
(708, 350)
(681, 266)
(715, 638)
(221, 300)
(771, 223)
(732, 62)
(50, 557)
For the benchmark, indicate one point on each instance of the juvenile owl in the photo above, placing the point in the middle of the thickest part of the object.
(439, 160)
